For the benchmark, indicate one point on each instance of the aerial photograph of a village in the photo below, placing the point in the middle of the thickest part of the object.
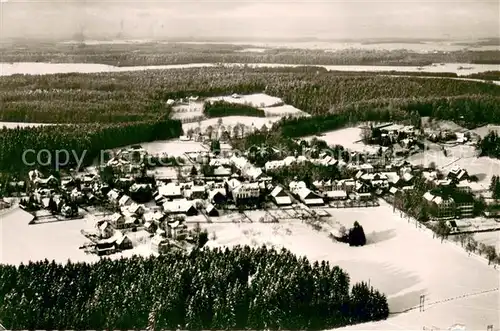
(261, 165)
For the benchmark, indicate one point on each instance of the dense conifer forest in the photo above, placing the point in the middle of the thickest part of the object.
(241, 288)
(115, 97)
(83, 140)
(223, 108)
(183, 53)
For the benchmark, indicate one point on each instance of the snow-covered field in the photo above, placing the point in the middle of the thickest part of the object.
(172, 147)
(284, 110)
(484, 130)
(255, 100)
(423, 47)
(191, 109)
(402, 261)
(59, 241)
(41, 68)
(348, 137)
(13, 125)
(252, 50)
(489, 238)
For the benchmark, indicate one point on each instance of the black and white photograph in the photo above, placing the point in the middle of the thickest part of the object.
(250, 165)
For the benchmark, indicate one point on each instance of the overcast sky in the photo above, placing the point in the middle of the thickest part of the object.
(259, 18)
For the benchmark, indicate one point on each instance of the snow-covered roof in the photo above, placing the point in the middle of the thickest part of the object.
(283, 200)
(178, 206)
(124, 200)
(170, 189)
(336, 194)
(221, 171)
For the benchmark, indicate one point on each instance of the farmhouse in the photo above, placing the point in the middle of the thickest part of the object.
(280, 197)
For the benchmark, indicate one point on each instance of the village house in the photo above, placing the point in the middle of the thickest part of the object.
(296, 186)
(125, 201)
(220, 162)
(161, 244)
(178, 230)
(49, 182)
(216, 196)
(309, 198)
(221, 171)
(114, 196)
(181, 206)
(192, 191)
(168, 191)
(105, 229)
(362, 191)
(280, 197)
(152, 220)
(119, 165)
(335, 195)
(457, 174)
(117, 220)
(246, 192)
(4, 204)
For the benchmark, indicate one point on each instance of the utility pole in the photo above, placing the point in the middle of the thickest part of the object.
(422, 301)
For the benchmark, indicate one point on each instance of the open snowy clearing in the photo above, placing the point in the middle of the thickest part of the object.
(13, 125)
(284, 110)
(400, 260)
(41, 68)
(191, 109)
(255, 100)
(489, 238)
(484, 130)
(252, 50)
(348, 137)
(173, 147)
(59, 241)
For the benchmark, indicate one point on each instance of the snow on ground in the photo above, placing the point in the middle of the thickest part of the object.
(441, 125)
(465, 157)
(285, 110)
(41, 68)
(172, 147)
(254, 100)
(248, 121)
(484, 130)
(59, 241)
(191, 109)
(400, 260)
(348, 137)
(489, 238)
(13, 125)
(252, 50)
